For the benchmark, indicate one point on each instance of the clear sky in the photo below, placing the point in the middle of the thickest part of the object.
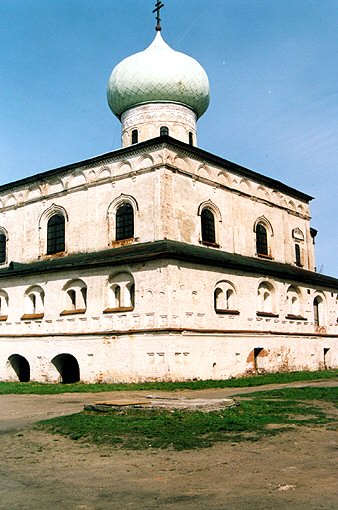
(272, 66)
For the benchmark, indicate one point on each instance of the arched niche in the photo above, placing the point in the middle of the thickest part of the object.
(68, 368)
(20, 366)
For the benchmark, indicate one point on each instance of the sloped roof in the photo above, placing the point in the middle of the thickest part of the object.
(155, 144)
(170, 250)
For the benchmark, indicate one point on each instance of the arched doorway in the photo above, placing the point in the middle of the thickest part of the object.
(68, 368)
(20, 366)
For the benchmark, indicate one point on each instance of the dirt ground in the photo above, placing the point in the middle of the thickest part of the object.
(293, 470)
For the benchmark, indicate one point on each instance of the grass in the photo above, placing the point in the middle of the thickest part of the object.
(240, 382)
(182, 430)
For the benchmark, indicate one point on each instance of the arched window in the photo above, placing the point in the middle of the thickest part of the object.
(318, 311)
(121, 293)
(124, 222)
(34, 303)
(3, 248)
(134, 136)
(225, 298)
(298, 255)
(293, 302)
(3, 305)
(56, 234)
(164, 131)
(261, 240)
(208, 227)
(116, 291)
(191, 138)
(298, 238)
(131, 290)
(266, 299)
(75, 297)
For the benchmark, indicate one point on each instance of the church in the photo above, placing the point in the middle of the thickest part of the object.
(159, 260)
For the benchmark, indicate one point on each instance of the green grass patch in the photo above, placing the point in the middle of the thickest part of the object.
(263, 414)
(297, 394)
(240, 382)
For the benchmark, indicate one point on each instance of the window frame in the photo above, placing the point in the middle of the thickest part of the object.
(319, 312)
(124, 222)
(263, 238)
(208, 226)
(120, 293)
(75, 298)
(34, 303)
(43, 228)
(164, 131)
(3, 247)
(298, 255)
(262, 245)
(111, 217)
(56, 234)
(134, 136)
(221, 295)
(266, 290)
(4, 304)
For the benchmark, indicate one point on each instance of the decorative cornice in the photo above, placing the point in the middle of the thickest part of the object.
(249, 333)
(158, 144)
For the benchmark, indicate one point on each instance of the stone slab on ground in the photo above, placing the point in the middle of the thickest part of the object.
(161, 402)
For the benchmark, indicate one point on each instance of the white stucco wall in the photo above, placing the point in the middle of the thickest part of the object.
(173, 331)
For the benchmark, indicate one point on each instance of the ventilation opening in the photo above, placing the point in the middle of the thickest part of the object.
(325, 352)
(20, 366)
(68, 368)
(257, 352)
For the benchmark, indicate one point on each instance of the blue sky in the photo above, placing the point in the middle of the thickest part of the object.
(272, 66)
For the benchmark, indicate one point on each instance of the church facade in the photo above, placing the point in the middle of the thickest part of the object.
(159, 261)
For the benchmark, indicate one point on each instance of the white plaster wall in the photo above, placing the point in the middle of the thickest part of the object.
(166, 356)
(168, 189)
(148, 119)
(167, 294)
(173, 330)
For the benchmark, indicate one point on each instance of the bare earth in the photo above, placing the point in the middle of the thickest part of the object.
(294, 470)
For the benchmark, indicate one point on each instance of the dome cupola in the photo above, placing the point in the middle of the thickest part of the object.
(158, 73)
(158, 91)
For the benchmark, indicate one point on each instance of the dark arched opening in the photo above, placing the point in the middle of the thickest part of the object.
(2, 248)
(21, 367)
(208, 227)
(164, 131)
(134, 136)
(261, 240)
(55, 234)
(124, 222)
(298, 255)
(68, 368)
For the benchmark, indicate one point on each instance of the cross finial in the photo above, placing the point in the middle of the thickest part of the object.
(158, 7)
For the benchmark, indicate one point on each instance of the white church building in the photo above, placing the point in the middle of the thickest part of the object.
(159, 260)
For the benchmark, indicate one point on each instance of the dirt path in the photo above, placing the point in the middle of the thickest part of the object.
(20, 411)
(294, 470)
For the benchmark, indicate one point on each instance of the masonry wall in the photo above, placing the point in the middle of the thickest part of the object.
(168, 191)
(172, 331)
(164, 356)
